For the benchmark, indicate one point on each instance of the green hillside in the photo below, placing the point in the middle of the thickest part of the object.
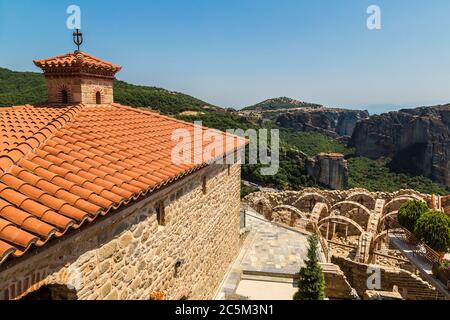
(157, 98)
(18, 88)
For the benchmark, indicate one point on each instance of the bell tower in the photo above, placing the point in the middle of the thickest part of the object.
(78, 77)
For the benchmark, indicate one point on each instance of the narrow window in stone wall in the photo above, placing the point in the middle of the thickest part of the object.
(64, 97)
(204, 185)
(160, 213)
(98, 98)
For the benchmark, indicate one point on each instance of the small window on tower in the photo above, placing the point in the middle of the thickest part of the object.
(64, 97)
(98, 98)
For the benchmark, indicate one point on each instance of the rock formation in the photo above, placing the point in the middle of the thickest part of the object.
(329, 170)
(418, 140)
(334, 123)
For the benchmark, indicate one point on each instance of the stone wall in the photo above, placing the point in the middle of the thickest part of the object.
(300, 199)
(127, 255)
(79, 89)
(336, 284)
(409, 285)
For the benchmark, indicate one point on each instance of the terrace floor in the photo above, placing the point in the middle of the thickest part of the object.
(264, 268)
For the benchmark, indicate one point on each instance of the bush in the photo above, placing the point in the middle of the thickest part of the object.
(434, 229)
(410, 212)
(312, 281)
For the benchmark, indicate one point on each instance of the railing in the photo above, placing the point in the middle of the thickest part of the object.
(418, 247)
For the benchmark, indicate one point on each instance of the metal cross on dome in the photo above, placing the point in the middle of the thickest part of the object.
(78, 38)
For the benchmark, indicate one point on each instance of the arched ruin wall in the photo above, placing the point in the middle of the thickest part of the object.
(333, 196)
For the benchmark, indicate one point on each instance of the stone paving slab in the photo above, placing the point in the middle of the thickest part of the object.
(274, 249)
(269, 248)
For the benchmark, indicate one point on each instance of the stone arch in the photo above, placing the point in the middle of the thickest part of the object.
(362, 198)
(263, 206)
(291, 209)
(396, 203)
(409, 193)
(351, 204)
(355, 211)
(343, 219)
(381, 235)
(319, 212)
(308, 200)
(392, 214)
(295, 214)
(52, 292)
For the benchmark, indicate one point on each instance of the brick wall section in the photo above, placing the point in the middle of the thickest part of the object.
(81, 89)
(414, 287)
(128, 255)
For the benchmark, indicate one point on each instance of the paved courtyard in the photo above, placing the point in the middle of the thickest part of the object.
(269, 249)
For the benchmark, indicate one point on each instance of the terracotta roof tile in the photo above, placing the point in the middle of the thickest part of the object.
(61, 167)
(77, 59)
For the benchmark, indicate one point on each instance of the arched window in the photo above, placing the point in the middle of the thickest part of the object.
(64, 96)
(98, 98)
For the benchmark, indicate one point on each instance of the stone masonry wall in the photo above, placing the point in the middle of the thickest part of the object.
(127, 255)
(409, 285)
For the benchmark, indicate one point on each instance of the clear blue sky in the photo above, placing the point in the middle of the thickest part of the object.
(239, 52)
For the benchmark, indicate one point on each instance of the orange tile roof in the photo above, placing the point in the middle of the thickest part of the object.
(77, 59)
(62, 167)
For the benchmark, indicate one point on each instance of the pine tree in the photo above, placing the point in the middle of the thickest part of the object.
(312, 280)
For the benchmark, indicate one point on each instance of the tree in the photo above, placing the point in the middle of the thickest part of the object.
(434, 229)
(312, 281)
(410, 212)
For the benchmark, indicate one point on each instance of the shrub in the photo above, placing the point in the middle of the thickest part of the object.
(312, 280)
(434, 229)
(410, 212)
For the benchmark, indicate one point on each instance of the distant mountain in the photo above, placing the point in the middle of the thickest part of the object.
(417, 140)
(280, 103)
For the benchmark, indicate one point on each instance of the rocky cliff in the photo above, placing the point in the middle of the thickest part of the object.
(332, 122)
(418, 140)
(329, 170)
